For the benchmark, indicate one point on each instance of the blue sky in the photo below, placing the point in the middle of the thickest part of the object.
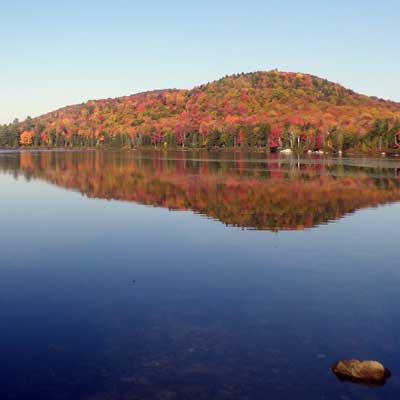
(55, 53)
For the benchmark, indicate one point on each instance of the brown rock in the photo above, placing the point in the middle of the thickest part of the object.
(357, 371)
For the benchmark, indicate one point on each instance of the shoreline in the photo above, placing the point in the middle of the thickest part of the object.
(291, 153)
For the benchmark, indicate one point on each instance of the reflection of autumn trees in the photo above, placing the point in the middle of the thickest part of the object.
(239, 192)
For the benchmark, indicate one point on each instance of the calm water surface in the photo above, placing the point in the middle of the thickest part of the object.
(148, 275)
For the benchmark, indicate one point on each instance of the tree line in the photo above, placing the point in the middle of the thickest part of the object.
(384, 135)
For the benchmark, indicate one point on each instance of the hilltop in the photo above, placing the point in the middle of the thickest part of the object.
(262, 109)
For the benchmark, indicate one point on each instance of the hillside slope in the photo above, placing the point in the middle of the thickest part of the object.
(275, 109)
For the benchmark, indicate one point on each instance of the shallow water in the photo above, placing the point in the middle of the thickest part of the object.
(189, 275)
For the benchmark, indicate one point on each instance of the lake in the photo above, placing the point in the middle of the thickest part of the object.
(192, 275)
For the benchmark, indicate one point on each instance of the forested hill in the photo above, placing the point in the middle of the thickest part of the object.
(263, 109)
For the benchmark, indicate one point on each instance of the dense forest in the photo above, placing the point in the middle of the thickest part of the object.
(242, 192)
(266, 110)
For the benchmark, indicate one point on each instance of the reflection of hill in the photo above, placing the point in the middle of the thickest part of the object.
(237, 192)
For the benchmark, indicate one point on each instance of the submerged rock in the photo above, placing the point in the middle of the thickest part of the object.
(357, 371)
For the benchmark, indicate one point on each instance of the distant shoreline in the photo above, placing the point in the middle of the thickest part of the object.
(294, 153)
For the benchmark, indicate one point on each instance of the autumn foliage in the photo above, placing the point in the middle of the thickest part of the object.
(26, 138)
(263, 109)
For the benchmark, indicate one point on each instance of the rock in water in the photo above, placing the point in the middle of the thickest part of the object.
(357, 371)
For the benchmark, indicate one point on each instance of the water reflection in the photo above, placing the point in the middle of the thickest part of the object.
(243, 190)
(214, 313)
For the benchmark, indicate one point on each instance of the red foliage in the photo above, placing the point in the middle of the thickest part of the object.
(273, 98)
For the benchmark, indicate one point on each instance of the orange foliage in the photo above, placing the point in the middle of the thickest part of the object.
(26, 138)
(226, 105)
